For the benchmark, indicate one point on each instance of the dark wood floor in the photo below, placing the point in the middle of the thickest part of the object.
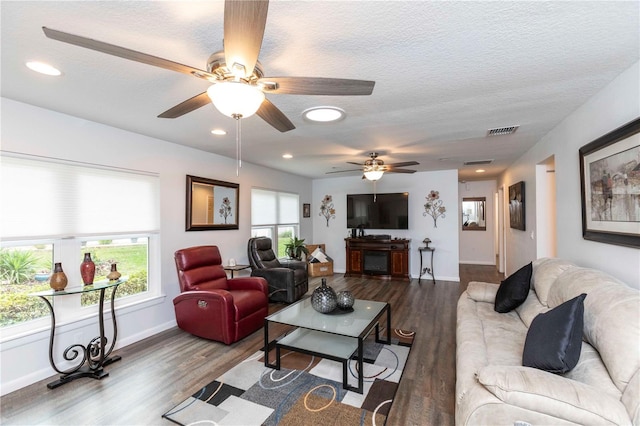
(159, 372)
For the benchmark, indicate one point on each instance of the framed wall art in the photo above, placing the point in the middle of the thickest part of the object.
(211, 204)
(516, 206)
(306, 210)
(610, 186)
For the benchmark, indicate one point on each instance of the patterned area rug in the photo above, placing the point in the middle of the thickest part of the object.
(307, 390)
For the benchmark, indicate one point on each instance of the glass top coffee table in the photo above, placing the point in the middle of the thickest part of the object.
(337, 336)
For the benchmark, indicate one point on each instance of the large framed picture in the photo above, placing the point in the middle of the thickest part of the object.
(516, 206)
(610, 185)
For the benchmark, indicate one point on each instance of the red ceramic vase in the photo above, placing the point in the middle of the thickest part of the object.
(87, 269)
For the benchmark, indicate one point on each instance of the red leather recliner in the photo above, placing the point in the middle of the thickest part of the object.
(212, 306)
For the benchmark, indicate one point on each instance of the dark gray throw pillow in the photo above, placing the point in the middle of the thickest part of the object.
(554, 339)
(514, 290)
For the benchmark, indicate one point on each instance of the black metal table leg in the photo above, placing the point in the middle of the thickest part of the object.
(93, 356)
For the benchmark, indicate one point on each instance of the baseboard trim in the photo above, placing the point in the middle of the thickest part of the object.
(45, 373)
(477, 262)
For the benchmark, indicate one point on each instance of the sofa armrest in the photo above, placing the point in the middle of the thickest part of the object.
(219, 296)
(274, 274)
(482, 292)
(249, 283)
(553, 395)
(295, 264)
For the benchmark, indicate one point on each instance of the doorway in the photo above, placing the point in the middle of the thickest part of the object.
(546, 243)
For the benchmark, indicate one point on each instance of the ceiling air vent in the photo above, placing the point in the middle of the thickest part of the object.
(477, 162)
(499, 131)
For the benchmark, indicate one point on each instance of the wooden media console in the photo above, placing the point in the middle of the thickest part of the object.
(379, 258)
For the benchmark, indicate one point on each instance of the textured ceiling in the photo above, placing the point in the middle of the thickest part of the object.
(445, 73)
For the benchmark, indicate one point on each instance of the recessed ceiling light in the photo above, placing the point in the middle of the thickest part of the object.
(480, 171)
(218, 132)
(323, 114)
(43, 68)
(287, 156)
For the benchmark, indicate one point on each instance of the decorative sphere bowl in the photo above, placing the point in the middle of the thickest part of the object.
(345, 299)
(324, 299)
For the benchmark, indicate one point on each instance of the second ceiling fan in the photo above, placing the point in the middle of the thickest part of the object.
(238, 83)
(374, 168)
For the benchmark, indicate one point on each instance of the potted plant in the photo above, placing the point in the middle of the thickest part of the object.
(295, 247)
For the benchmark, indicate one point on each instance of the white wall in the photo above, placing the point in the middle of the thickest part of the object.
(31, 130)
(615, 105)
(478, 247)
(444, 238)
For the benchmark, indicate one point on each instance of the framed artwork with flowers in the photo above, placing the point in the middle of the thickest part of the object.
(211, 204)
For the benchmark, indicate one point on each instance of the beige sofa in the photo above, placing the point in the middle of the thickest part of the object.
(492, 386)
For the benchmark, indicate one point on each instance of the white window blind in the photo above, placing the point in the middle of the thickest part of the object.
(263, 207)
(271, 207)
(47, 198)
(288, 211)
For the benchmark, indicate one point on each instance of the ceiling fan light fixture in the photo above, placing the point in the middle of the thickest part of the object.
(233, 98)
(324, 114)
(373, 175)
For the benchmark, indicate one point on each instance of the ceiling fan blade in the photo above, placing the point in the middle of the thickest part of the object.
(272, 115)
(187, 106)
(406, 163)
(393, 170)
(352, 162)
(343, 171)
(244, 23)
(316, 86)
(125, 53)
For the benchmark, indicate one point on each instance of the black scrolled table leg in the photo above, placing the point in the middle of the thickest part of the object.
(105, 359)
(94, 356)
(426, 269)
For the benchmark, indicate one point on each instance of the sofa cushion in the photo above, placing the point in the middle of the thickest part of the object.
(591, 370)
(611, 319)
(554, 395)
(545, 273)
(554, 339)
(482, 292)
(530, 309)
(513, 290)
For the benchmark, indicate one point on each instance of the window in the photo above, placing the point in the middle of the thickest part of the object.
(54, 211)
(275, 214)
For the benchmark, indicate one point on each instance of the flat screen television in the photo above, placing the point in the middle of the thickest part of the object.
(388, 211)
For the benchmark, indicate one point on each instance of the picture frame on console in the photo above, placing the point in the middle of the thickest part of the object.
(610, 187)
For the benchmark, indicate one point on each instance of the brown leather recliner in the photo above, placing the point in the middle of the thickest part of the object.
(288, 282)
(212, 306)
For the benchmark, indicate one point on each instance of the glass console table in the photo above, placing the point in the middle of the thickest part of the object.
(89, 359)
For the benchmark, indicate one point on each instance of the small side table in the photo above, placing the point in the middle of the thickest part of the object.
(236, 268)
(427, 269)
(90, 359)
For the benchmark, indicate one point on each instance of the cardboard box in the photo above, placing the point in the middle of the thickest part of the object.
(312, 247)
(319, 269)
